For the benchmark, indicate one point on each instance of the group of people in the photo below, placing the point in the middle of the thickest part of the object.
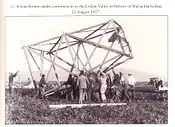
(91, 85)
(88, 86)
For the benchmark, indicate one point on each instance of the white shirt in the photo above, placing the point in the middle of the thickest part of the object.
(131, 80)
(122, 78)
(103, 79)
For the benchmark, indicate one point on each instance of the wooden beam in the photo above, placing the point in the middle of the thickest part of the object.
(78, 57)
(104, 63)
(30, 70)
(100, 35)
(54, 63)
(37, 49)
(117, 64)
(117, 32)
(81, 30)
(56, 75)
(65, 47)
(70, 53)
(125, 38)
(86, 55)
(63, 60)
(55, 44)
(34, 60)
(106, 55)
(41, 63)
(113, 63)
(86, 39)
(95, 30)
(99, 45)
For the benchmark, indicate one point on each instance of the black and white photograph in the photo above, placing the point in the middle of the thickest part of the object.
(86, 69)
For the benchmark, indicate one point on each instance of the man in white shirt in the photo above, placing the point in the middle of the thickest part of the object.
(103, 86)
(131, 83)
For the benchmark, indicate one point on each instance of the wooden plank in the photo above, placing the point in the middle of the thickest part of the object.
(85, 105)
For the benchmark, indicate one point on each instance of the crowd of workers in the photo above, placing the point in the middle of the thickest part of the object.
(88, 86)
(94, 86)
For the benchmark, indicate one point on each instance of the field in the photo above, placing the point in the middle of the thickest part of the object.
(146, 108)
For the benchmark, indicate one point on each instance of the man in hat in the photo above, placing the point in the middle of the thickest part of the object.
(82, 84)
(42, 83)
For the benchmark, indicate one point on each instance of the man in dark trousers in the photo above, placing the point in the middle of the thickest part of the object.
(42, 83)
(82, 83)
(11, 76)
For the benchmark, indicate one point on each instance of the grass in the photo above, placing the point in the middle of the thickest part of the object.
(24, 109)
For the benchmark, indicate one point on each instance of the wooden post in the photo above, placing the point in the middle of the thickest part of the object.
(34, 82)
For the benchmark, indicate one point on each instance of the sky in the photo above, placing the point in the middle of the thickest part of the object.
(147, 36)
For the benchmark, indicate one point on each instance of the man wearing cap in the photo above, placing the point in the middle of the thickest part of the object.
(82, 84)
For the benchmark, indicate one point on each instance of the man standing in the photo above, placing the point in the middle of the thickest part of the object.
(122, 79)
(131, 83)
(42, 83)
(82, 83)
(11, 76)
(103, 86)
